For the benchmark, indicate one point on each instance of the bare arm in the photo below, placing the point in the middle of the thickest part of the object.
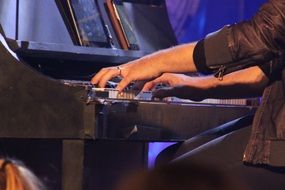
(246, 83)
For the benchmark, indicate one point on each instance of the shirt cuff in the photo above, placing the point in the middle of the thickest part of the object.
(212, 52)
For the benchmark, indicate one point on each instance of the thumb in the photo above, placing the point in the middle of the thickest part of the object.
(148, 86)
(151, 84)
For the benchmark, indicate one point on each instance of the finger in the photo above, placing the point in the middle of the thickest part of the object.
(107, 76)
(151, 84)
(148, 86)
(95, 80)
(123, 84)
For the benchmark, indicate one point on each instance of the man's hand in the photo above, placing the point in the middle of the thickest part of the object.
(146, 68)
(180, 86)
(168, 79)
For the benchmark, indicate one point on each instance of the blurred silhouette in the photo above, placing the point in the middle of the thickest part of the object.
(181, 176)
(14, 175)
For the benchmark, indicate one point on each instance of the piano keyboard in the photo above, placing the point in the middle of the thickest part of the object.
(112, 94)
(106, 93)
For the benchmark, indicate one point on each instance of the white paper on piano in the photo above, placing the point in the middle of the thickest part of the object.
(3, 41)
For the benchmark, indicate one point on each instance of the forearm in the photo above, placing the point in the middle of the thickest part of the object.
(178, 59)
(246, 83)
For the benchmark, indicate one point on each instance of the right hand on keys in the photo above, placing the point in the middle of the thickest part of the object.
(146, 68)
(180, 85)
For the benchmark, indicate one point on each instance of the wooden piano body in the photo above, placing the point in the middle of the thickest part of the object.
(48, 125)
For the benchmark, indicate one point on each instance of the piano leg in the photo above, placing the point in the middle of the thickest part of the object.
(72, 164)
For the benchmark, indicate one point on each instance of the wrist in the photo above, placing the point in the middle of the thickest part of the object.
(205, 83)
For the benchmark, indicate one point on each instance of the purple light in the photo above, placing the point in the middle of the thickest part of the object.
(155, 149)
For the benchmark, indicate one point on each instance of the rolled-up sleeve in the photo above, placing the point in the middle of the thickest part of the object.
(212, 52)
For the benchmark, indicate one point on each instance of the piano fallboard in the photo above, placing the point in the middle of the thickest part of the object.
(157, 121)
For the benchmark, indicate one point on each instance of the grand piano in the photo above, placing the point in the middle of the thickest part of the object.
(69, 142)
